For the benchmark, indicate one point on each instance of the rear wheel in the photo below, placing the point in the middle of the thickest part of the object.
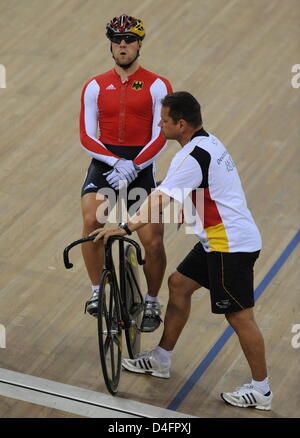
(134, 302)
(109, 332)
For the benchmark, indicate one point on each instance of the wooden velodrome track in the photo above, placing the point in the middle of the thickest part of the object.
(236, 57)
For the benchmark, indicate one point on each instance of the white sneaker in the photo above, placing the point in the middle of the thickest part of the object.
(246, 396)
(145, 363)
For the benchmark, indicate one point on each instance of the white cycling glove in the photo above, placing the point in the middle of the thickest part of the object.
(124, 172)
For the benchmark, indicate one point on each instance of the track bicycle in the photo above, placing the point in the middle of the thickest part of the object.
(120, 306)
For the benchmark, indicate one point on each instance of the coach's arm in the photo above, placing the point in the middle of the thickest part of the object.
(150, 211)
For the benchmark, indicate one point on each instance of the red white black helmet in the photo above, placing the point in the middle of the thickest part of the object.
(125, 24)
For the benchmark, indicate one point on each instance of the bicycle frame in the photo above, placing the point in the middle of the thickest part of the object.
(121, 285)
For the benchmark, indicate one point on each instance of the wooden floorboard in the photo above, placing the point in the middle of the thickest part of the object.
(236, 57)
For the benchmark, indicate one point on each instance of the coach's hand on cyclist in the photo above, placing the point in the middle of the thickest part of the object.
(123, 173)
(105, 234)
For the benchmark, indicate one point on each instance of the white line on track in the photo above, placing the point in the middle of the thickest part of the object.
(76, 400)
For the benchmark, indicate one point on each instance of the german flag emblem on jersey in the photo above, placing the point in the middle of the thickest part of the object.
(137, 85)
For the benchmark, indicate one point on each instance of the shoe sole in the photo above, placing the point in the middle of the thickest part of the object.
(240, 405)
(152, 373)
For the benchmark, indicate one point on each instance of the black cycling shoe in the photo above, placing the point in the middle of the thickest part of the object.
(151, 318)
(91, 306)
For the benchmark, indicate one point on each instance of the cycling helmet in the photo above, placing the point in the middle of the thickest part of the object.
(125, 24)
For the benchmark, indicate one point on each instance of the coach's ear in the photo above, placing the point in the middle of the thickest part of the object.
(182, 123)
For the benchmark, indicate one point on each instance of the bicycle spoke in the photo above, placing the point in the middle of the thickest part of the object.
(112, 358)
(107, 314)
(107, 344)
(111, 304)
(116, 340)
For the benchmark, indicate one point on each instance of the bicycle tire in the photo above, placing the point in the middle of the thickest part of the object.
(109, 332)
(134, 302)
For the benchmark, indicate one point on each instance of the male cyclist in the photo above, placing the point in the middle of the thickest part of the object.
(124, 105)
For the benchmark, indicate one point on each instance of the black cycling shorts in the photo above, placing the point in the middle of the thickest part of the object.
(95, 181)
(228, 276)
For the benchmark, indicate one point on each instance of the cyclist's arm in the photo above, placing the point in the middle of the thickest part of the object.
(89, 125)
(156, 145)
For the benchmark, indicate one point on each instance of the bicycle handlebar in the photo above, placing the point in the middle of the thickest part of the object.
(111, 239)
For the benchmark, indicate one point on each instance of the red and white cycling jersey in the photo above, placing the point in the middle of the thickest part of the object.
(127, 114)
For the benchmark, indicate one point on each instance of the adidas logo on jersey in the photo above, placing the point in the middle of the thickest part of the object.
(111, 87)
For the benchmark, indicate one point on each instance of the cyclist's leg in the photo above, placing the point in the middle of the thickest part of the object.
(151, 237)
(94, 193)
(92, 252)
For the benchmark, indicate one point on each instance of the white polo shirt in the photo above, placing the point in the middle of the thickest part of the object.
(227, 224)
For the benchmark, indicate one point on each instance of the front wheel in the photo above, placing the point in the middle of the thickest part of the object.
(109, 332)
